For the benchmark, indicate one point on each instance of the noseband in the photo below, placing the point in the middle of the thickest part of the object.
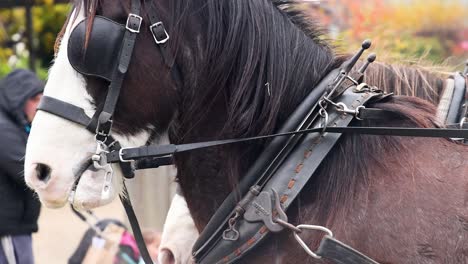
(236, 227)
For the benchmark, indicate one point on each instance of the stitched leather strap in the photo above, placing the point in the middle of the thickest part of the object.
(288, 179)
(278, 149)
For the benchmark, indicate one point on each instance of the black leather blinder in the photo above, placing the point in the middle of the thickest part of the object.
(101, 55)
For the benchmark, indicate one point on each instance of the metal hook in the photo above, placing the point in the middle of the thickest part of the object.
(303, 244)
(341, 107)
(324, 114)
(231, 233)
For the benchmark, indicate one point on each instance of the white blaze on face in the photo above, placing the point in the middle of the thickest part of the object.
(64, 146)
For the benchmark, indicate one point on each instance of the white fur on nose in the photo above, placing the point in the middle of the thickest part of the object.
(179, 234)
(54, 141)
(166, 256)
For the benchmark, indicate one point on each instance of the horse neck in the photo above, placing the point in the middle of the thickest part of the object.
(255, 67)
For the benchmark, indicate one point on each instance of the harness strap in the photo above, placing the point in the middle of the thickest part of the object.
(159, 151)
(64, 110)
(455, 109)
(77, 115)
(275, 151)
(159, 32)
(133, 28)
(287, 180)
(127, 204)
(161, 37)
(341, 253)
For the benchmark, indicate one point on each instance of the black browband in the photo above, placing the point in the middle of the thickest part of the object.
(330, 89)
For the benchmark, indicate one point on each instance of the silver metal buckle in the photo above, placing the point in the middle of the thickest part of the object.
(166, 38)
(121, 156)
(127, 25)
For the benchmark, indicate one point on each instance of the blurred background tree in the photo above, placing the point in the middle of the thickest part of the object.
(48, 19)
(401, 30)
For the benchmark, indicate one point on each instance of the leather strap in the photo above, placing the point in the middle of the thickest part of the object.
(159, 32)
(455, 109)
(265, 165)
(77, 115)
(151, 163)
(127, 204)
(156, 151)
(161, 37)
(287, 180)
(341, 253)
(64, 110)
(128, 44)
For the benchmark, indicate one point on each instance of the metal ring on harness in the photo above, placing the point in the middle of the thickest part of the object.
(323, 113)
(303, 244)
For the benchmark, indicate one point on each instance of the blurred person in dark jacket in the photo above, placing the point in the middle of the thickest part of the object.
(20, 92)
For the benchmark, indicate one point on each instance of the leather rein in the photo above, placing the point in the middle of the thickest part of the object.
(326, 113)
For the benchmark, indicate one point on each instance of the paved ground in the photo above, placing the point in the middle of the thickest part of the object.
(60, 232)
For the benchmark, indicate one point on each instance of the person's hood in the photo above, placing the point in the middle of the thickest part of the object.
(15, 89)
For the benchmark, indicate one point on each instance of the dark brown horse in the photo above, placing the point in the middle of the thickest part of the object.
(398, 200)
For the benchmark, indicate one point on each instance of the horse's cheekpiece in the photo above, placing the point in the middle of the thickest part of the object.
(317, 124)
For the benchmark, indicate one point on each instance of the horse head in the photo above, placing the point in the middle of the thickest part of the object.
(59, 151)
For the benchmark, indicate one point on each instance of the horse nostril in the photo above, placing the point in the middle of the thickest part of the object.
(166, 256)
(43, 172)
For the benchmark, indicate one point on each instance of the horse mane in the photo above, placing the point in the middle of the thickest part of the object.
(255, 83)
(230, 90)
(237, 91)
(400, 79)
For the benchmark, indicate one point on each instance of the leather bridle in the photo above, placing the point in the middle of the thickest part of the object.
(101, 122)
(341, 94)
